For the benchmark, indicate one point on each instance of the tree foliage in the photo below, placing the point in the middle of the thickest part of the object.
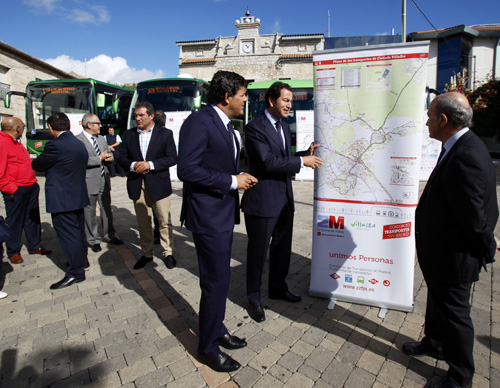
(485, 102)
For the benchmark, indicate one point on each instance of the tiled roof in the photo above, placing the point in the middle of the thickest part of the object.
(198, 60)
(295, 56)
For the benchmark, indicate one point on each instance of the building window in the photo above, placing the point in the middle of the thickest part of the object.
(199, 52)
(4, 86)
(302, 47)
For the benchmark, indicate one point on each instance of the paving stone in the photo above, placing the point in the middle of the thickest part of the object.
(298, 381)
(156, 378)
(291, 361)
(264, 360)
(136, 370)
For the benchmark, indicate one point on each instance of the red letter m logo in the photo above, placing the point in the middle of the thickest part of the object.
(337, 224)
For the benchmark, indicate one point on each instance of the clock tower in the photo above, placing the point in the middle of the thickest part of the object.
(248, 33)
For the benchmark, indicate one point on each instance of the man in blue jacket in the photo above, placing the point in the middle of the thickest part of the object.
(64, 160)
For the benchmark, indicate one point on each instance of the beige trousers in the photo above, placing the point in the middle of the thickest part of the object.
(144, 216)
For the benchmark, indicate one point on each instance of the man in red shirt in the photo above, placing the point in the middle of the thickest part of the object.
(20, 191)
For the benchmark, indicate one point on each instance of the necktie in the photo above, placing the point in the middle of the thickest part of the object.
(278, 129)
(443, 150)
(232, 137)
(98, 152)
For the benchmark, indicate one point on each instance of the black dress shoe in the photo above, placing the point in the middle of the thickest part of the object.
(142, 262)
(170, 262)
(116, 241)
(287, 295)
(66, 282)
(232, 342)
(96, 248)
(220, 363)
(418, 349)
(256, 313)
(448, 382)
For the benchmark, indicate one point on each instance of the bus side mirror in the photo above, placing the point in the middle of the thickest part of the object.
(101, 100)
(115, 106)
(197, 102)
(6, 99)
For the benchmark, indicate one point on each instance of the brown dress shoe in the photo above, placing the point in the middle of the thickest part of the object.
(40, 251)
(16, 259)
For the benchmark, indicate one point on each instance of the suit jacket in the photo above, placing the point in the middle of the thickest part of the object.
(161, 151)
(64, 160)
(93, 174)
(206, 164)
(457, 214)
(272, 165)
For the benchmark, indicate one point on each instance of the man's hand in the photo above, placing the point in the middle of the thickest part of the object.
(496, 239)
(106, 156)
(142, 167)
(312, 147)
(312, 161)
(245, 181)
(112, 148)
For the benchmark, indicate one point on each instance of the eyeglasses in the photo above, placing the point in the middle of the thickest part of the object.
(98, 123)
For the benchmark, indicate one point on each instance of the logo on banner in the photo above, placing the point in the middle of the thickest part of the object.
(348, 278)
(396, 231)
(386, 283)
(335, 276)
(360, 225)
(330, 225)
(373, 281)
(38, 144)
(361, 279)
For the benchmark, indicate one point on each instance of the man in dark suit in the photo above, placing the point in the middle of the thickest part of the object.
(209, 167)
(64, 160)
(269, 207)
(454, 224)
(147, 153)
(98, 184)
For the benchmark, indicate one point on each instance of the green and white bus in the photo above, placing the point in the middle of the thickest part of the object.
(303, 99)
(177, 96)
(73, 97)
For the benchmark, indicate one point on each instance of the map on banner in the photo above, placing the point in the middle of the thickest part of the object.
(370, 127)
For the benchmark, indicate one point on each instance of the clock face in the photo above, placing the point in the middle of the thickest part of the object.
(248, 47)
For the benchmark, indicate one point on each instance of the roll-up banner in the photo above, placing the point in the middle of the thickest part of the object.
(368, 109)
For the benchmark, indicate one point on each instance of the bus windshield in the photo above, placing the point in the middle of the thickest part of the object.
(73, 99)
(171, 96)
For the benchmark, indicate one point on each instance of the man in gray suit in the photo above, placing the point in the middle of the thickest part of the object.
(98, 183)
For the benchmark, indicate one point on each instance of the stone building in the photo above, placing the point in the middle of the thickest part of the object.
(256, 57)
(16, 70)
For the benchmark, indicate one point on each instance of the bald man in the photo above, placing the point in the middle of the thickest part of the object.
(454, 224)
(20, 191)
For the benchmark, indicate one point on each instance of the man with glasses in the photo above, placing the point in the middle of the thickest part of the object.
(20, 191)
(98, 183)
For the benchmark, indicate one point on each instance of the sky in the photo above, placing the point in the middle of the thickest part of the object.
(124, 41)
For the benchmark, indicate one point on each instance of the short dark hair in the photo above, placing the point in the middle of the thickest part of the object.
(150, 110)
(59, 122)
(160, 118)
(274, 91)
(224, 82)
(459, 116)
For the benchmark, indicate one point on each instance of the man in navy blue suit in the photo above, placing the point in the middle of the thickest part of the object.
(209, 167)
(454, 224)
(147, 153)
(64, 160)
(269, 207)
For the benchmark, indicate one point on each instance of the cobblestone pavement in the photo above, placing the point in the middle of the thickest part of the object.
(137, 328)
